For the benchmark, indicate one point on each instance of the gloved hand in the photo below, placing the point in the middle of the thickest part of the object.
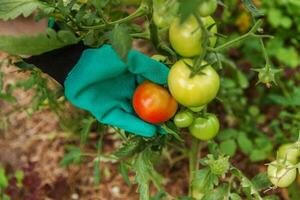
(103, 84)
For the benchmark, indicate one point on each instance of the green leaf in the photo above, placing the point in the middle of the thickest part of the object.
(219, 193)
(228, 134)
(261, 181)
(242, 80)
(228, 147)
(124, 172)
(251, 8)
(293, 100)
(245, 143)
(144, 173)
(11, 9)
(19, 176)
(186, 8)
(294, 191)
(204, 180)
(87, 124)
(130, 148)
(99, 4)
(73, 156)
(234, 196)
(3, 178)
(274, 17)
(121, 40)
(159, 195)
(37, 44)
(96, 171)
(288, 56)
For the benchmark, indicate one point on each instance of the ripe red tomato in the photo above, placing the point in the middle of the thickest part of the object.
(153, 103)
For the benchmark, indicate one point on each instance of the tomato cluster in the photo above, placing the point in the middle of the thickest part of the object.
(192, 92)
(282, 172)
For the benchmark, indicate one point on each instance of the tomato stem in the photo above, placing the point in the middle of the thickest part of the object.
(193, 161)
(251, 33)
(141, 11)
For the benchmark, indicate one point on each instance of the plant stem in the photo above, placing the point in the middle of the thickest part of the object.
(193, 161)
(141, 11)
(251, 33)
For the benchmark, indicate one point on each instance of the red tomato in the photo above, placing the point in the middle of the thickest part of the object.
(153, 103)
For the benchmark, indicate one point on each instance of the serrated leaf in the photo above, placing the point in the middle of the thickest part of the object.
(130, 148)
(261, 181)
(11, 9)
(204, 180)
(144, 173)
(73, 156)
(121, 40)
(37, 44)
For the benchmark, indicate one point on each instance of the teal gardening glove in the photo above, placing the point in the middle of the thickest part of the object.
(103, 84)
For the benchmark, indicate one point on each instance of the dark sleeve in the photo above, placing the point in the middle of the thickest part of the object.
(58, 63)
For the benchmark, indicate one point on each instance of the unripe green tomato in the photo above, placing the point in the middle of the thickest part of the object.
(186, 37)
(288, 152)
(205, 128)
(281, 176)
(193, 91)
(197, 109)
(183, 119)
(207, 7)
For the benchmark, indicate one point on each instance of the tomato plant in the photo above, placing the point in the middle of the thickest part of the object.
(205, 128)
(183, 119)
(193, 91)
(282, 173)
(153, 103)
(182, 35)
(186, 37)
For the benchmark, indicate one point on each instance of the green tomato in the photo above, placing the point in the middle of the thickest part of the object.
(183, 119)
(196, 91)
(290, 152)
(186, 37)
(207, 7)
(164, 12)
(281, 174)
(205, 128)
(197, 109)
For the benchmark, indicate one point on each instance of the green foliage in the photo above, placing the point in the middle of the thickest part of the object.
(145, 172)
(121, 40)
(249, 128)
(3, 178)
(73, 156)
(38, 44)
(10, 9)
